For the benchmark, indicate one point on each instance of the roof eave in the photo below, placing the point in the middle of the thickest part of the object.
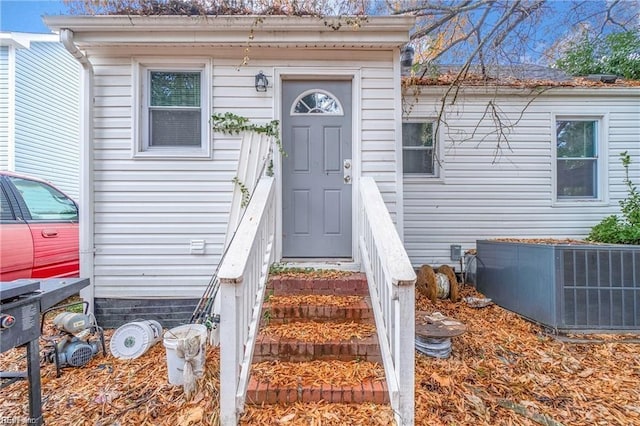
(158, 30)
(539, 90)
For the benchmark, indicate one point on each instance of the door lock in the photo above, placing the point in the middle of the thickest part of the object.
(346, 165)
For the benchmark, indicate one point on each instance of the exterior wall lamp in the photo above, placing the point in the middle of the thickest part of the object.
(261, 82)
(406, 57)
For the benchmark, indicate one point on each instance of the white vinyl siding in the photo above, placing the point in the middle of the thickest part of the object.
(4, 107)
(507, 190)
(147, 212)
(47, 115)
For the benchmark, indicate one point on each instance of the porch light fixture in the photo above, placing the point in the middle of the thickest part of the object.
(261, 82)
(406, 56)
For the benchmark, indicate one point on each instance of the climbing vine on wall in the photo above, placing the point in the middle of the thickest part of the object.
(246, 195)
(233, 124)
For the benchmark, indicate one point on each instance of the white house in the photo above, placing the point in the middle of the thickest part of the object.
(369, 161)
(158, 196)
(514, 160)
(159, 205)
(39, 109)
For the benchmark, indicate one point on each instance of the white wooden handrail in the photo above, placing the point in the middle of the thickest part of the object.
(243, 276)
(391, 281)
(255, 153)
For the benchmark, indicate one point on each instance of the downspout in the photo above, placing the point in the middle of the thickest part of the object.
(86, 215)
(11, 119)
(397, 84)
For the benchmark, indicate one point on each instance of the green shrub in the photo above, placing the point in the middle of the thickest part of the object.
(625, 229)
(616, 53)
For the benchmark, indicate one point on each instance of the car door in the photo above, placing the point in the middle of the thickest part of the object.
(16, 245)
(53, 221)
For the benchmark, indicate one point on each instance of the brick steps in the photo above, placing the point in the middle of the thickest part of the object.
(374, 391)
(360, 311)
(353, 284)
(272, 348)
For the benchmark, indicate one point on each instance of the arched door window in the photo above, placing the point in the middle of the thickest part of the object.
(316, 101)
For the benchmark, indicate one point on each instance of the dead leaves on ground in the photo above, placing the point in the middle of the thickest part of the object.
(314, 300)
(550, 241)
(316, 373)
(505, 370)
(312, 331)
(319, 414)
(108, 391)
(309, 273)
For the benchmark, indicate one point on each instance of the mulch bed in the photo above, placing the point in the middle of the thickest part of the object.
(108, 391)
(319, 414)
(314, 300)
(548, 241)
(503, 371)
(311, 331)
(316, 373)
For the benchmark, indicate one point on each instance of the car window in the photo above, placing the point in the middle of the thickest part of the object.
(45, 202)
(6, 213)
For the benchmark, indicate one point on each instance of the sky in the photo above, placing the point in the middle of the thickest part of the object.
(26, 15)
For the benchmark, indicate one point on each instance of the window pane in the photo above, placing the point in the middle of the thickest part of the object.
(174, 128)
(175, 88)
(417, 134)
(576, 139)
(317, 103)
(6, 212)
(44, 202)
(577, 178)
(417, 154)
(417, 161)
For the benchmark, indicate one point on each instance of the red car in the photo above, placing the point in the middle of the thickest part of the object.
(38, 230)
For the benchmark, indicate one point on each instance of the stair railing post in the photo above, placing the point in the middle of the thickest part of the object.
(230, 354)
(406, 354)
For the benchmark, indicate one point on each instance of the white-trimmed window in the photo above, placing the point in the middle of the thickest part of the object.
(578, 165)
(173, 105)
(418, 148)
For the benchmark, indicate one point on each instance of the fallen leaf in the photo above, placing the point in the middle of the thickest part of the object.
(193, 416)
(586, 373)
(442, 381)
(105, 397)
(478, 405)
(287, 418)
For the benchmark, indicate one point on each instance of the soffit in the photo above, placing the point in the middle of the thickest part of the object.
(232, 31)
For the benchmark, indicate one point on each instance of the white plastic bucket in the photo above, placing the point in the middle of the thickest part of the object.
(175, 363)
(133, 339)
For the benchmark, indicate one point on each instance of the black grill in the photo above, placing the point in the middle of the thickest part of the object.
(21, 303)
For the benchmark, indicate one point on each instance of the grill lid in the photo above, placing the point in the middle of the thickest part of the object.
(17, 288)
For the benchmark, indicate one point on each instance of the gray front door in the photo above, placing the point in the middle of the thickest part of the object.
(316, 200)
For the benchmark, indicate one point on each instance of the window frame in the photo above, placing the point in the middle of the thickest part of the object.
(142, 69)
(438, 172)
(304, 94)
(600, 150)
(26, 211)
